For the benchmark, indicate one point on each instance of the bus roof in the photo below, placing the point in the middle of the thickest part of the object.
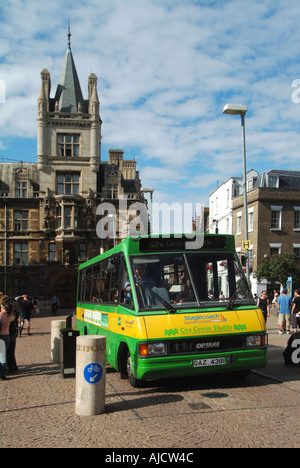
(167, 243)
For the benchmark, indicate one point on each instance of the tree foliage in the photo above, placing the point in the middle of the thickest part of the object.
(278, 268)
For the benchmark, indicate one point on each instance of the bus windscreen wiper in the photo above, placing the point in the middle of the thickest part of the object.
(234, 295)
(232, 300)
(157, 296)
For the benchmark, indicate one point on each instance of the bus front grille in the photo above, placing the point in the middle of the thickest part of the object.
(206, 345)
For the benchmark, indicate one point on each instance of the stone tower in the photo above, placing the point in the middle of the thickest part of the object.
(68, 128)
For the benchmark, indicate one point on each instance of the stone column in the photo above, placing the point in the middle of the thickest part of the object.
(56, 326)
(90, 375)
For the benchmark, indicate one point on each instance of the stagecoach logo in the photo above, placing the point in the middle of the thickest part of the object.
(129, 323)
(188, 319)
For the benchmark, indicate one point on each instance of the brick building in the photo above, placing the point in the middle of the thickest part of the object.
(273, 217)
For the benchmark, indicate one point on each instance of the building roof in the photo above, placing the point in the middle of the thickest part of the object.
(10, 172)
(282, 179)
(68, 92)
(285, 179)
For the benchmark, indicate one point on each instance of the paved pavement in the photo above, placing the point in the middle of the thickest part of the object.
(289, 375)
(37, 406)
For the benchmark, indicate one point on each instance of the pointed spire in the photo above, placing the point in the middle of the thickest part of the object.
(68, 93)
(69, 35)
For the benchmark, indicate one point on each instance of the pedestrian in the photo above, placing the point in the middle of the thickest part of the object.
(264, 304)
(274, 302)
(27, 308)
(284, 306)
(35, 302)
(13, 334)
(296, 311)
(55, 304)
(6, 317)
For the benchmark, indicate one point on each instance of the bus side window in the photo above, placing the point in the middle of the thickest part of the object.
(81, 286)
(96, 283)
(125, 298)
(109, 280)
(88, 284)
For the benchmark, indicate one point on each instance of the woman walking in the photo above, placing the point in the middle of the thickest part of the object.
(263, 303)
(6, 317)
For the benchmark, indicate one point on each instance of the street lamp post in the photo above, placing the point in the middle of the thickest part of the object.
(232, 109)
(149, 190)
(113, 217)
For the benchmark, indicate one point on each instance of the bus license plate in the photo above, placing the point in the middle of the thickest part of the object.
(209, 362)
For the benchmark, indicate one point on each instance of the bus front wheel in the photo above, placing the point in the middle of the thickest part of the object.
(134, 382)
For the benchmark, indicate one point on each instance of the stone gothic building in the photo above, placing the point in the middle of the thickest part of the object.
(48, 209)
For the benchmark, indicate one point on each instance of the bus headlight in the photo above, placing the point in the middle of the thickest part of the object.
(152, 349)
(254, 341)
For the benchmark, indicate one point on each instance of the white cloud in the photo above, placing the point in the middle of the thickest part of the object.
(165, 70)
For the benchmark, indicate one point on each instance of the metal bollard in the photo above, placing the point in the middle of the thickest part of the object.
(90, 375)
(56, 326)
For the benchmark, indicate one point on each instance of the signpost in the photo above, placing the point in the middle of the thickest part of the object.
(289, 286)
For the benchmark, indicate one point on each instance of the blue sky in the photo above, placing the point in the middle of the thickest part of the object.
(165, 69)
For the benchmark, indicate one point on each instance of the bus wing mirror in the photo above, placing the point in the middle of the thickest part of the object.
(111, 265)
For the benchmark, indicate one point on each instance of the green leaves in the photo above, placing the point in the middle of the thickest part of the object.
(279, 268)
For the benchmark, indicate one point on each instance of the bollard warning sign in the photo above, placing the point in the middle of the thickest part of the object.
(93, 373)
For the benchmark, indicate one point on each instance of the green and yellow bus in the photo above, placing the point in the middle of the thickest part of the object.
(168, 311)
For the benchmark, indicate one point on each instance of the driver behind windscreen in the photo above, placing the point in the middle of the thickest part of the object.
(140, 277)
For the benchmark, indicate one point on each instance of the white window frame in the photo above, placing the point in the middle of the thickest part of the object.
(239, 223)
(276, 208)
(276, 246)
(251, 219)
(296, 210)
(270, 177)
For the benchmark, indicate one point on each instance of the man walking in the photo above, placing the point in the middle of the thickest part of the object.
(284, 306)
(54, 304)
(27, 308)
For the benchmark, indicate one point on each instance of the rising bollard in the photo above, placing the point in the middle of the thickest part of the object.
(90, 375)
(56, 327)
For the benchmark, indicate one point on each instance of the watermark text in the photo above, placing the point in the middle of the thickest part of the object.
(166, 220)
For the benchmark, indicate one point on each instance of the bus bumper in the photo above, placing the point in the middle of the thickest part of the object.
(188, 366)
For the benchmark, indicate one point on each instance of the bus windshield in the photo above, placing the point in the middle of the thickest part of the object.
(175, 281)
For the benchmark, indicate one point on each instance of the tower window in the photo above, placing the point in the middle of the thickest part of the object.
(21, 253)
(67, 145)
(21, 220)
(67, 183)
(51, 251)
(113, 191)
(21, 189)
